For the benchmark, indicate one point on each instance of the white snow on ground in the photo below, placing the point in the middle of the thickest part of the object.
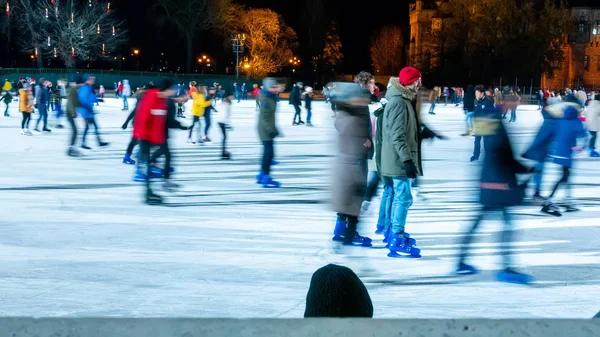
(76, 240)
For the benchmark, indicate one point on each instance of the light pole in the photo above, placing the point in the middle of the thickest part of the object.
(204, 60)
(237, 41)
(294, 62)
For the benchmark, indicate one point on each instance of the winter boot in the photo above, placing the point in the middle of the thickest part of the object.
(356, 240)
(510, 275)
(550, 208)
(153, 199)
(73, 152)
(465, 269)
(127, 160)
(268, 182)
(104, 144)
(225, 155)
(340, 229)
(473, 158)
(594, 154)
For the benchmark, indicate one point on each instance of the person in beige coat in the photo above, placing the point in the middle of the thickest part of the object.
(592, 122)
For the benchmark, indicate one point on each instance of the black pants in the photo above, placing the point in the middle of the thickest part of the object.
(26, 119)
(372, 185)
(88, 122)
(257, 104)
(71, 120)
(477, 146)
(163, 150)
(195, 120)
(132, 143)
(6, 111)
(506, 236)
(207, 122)
(593, 140)
(224, 132)
(298, 113)
(145, 155)
(564, 180)
(351, 226)
(268, 155)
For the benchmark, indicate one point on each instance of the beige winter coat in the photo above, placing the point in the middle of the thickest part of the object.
(592, 116)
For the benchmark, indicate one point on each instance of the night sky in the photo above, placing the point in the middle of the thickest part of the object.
(356, 26)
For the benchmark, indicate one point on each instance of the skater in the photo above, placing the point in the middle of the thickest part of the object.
(399, 157)
(244, 91)
(499, 190)
(59, 95)
(211, 97)
(469, 109)
(149, 128)
(87, 98)
(296, 102)
(224, 120)
(567, 129)
(482, 103)
(592, 122)
(7, 98)
(26, 107)
(126, 93)
(171, 123)
(267, 130)
(309, 96)
(42, 99)
(432, 96)
(236, 91)
(199, 105)
(355, 146)
(71, 111)
(101, 92)
(180, 107)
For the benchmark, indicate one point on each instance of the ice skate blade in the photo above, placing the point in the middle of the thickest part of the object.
(397, 256)
(514, 279)
(365, 245)
(556, 214)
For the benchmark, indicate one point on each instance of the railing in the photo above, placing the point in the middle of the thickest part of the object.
(191, 327)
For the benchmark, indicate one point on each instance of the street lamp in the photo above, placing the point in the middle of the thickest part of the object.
(136, 52)
(204, 60)
(237, 41)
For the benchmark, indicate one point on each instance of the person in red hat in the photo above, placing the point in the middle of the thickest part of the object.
(399, 156)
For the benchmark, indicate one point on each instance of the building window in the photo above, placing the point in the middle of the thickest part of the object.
(581, 27)
(555, 64)
(586, 62)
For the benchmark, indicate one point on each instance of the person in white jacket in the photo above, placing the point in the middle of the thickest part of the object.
(592, 122)
(224, 121)
(126, 94)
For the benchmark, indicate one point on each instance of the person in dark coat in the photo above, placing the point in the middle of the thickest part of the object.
(482, 103)
(296, 101)
(267, 129)
(469, 108)
(499, 190)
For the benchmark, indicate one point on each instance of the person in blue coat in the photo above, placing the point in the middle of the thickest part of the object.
(563, 134)
(87, 99)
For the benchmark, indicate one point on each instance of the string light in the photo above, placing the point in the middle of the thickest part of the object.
(7, 8)
(48, 41)
(72, 52)
(55, 54)
(35, 52)
(113, 30)
(108, 7)
(90, 3)
(46, 13)
(72, 17)
(81, 33)
(56, 11)
(98, 29)
(103, 52)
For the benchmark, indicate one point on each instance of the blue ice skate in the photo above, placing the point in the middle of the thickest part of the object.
(380, 230)
(127, 160)
(386, 236)
(274, 162)
(402, 243)
(359, 240)
(268, 182)
(340, 229)
(465, 269)
(139, 177)
(510, 275)
(260, 177)
(160, 172)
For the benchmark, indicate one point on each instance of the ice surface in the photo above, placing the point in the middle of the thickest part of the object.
(76, 240)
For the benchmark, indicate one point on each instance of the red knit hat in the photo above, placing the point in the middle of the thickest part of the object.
(409, 75)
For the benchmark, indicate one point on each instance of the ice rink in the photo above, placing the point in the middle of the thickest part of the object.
(76, 239)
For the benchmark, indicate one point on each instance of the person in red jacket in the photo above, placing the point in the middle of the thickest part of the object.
(149, 129)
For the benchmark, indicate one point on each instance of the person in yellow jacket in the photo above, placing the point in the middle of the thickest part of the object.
(26, 107)
(7, 86)
(199, 105)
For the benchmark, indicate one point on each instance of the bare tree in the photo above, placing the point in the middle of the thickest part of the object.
(69, 30)
(193, 16)
(269, 41)
(386, 50)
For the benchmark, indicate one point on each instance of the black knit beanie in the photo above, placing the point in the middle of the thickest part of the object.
(336, 291)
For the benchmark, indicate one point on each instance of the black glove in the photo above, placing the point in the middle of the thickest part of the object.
(124, 126)
(440, 137)
(410, 169)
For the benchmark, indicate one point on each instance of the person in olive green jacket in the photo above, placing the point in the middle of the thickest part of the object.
(267, 129)
(72, 105)
(399, 156)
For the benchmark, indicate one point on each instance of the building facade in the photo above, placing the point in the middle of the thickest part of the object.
(580, 67)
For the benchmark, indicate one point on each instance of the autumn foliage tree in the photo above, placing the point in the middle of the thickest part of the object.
(386, 50)
(332, 52)
(269, 41)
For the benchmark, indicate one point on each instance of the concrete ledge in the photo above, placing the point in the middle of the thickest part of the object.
(184, 327)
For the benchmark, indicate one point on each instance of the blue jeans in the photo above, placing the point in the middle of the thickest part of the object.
(385, 208)
(470, 120)
(402, 201)
(308, 115)
(477, 147)
(125, 103)
(537, 176)
(43, 111)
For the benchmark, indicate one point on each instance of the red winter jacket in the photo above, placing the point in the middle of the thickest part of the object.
(150, 118)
